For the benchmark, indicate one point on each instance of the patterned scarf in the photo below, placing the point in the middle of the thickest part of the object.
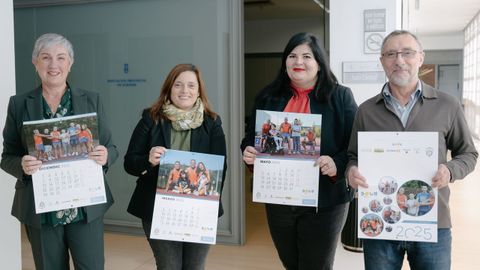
(184, 120)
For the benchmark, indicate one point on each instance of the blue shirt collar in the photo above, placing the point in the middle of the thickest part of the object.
(388, 95)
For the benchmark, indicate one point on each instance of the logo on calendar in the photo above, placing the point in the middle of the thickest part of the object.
(429, 151)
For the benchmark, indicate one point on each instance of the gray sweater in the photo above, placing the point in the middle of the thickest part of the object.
(434, 111)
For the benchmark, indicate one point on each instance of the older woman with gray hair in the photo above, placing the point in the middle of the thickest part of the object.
(78, 231)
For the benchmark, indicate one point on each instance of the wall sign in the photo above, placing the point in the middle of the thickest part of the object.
(363, 72)
(126, 82)
(374, 21)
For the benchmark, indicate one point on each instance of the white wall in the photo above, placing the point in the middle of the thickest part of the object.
(453, 41)
(10, 252)
(347, 37)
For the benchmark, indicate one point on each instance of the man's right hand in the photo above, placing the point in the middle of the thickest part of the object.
(355, 179)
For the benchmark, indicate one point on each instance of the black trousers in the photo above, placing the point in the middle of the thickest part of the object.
(173, 255)
(304, 238)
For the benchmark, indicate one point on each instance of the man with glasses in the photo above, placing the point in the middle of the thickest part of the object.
(408, 104)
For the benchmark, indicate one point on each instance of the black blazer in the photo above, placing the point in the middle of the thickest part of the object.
(208, 138)
(337, 120)
(28, 107)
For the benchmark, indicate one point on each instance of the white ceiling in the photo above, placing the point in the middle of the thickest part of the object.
(433, 17)
(437, 17)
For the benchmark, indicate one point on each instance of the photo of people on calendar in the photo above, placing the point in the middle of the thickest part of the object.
(67, 177)
(287, 146)
(399, 167)
(62, 139)
(190, 174)
(289, 135)
(188, 197)
(371, 225)
(415, 198)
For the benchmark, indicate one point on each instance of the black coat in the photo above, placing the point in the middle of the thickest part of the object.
(337, 120)
(208, 138)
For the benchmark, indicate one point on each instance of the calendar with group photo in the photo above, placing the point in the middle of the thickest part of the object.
(287, 146)
(400, 203)
(188, 196)
(67, 177)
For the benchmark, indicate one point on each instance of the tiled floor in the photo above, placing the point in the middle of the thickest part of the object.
(125, 252)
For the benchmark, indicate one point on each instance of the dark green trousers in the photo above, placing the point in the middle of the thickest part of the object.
(51, 246)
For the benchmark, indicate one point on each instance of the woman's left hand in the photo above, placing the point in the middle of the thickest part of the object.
(249, 155)
(99, 154)
(327, 166)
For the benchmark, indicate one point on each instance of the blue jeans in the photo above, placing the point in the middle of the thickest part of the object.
(388, 255)
(174, 255)
(304, 238)
(296, 143)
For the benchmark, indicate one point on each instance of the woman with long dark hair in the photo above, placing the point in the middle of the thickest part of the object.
(306, 237)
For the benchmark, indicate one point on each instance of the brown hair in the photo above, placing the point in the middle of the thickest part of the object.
(156, 111)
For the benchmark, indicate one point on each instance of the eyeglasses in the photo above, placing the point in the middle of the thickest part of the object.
(407, 54)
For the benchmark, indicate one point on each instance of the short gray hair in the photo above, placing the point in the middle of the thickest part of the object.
(398, 33)
(51, 39)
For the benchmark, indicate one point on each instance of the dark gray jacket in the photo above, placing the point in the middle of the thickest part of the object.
(28, 107)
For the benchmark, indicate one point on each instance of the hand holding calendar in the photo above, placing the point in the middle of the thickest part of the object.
(399, 201)
(65, 162)
(286, 158)
(30, 164)
(188, 195)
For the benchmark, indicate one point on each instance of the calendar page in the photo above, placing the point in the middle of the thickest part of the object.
(67, 177)
(188, 195)
(400, 203)
(287, 146)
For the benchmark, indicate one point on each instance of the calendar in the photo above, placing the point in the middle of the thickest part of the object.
(68, 185)
(188, 195)
(67, 177)
(287, 145)
(400, 203)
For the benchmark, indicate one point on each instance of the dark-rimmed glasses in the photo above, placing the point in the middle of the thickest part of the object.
(406, 54)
